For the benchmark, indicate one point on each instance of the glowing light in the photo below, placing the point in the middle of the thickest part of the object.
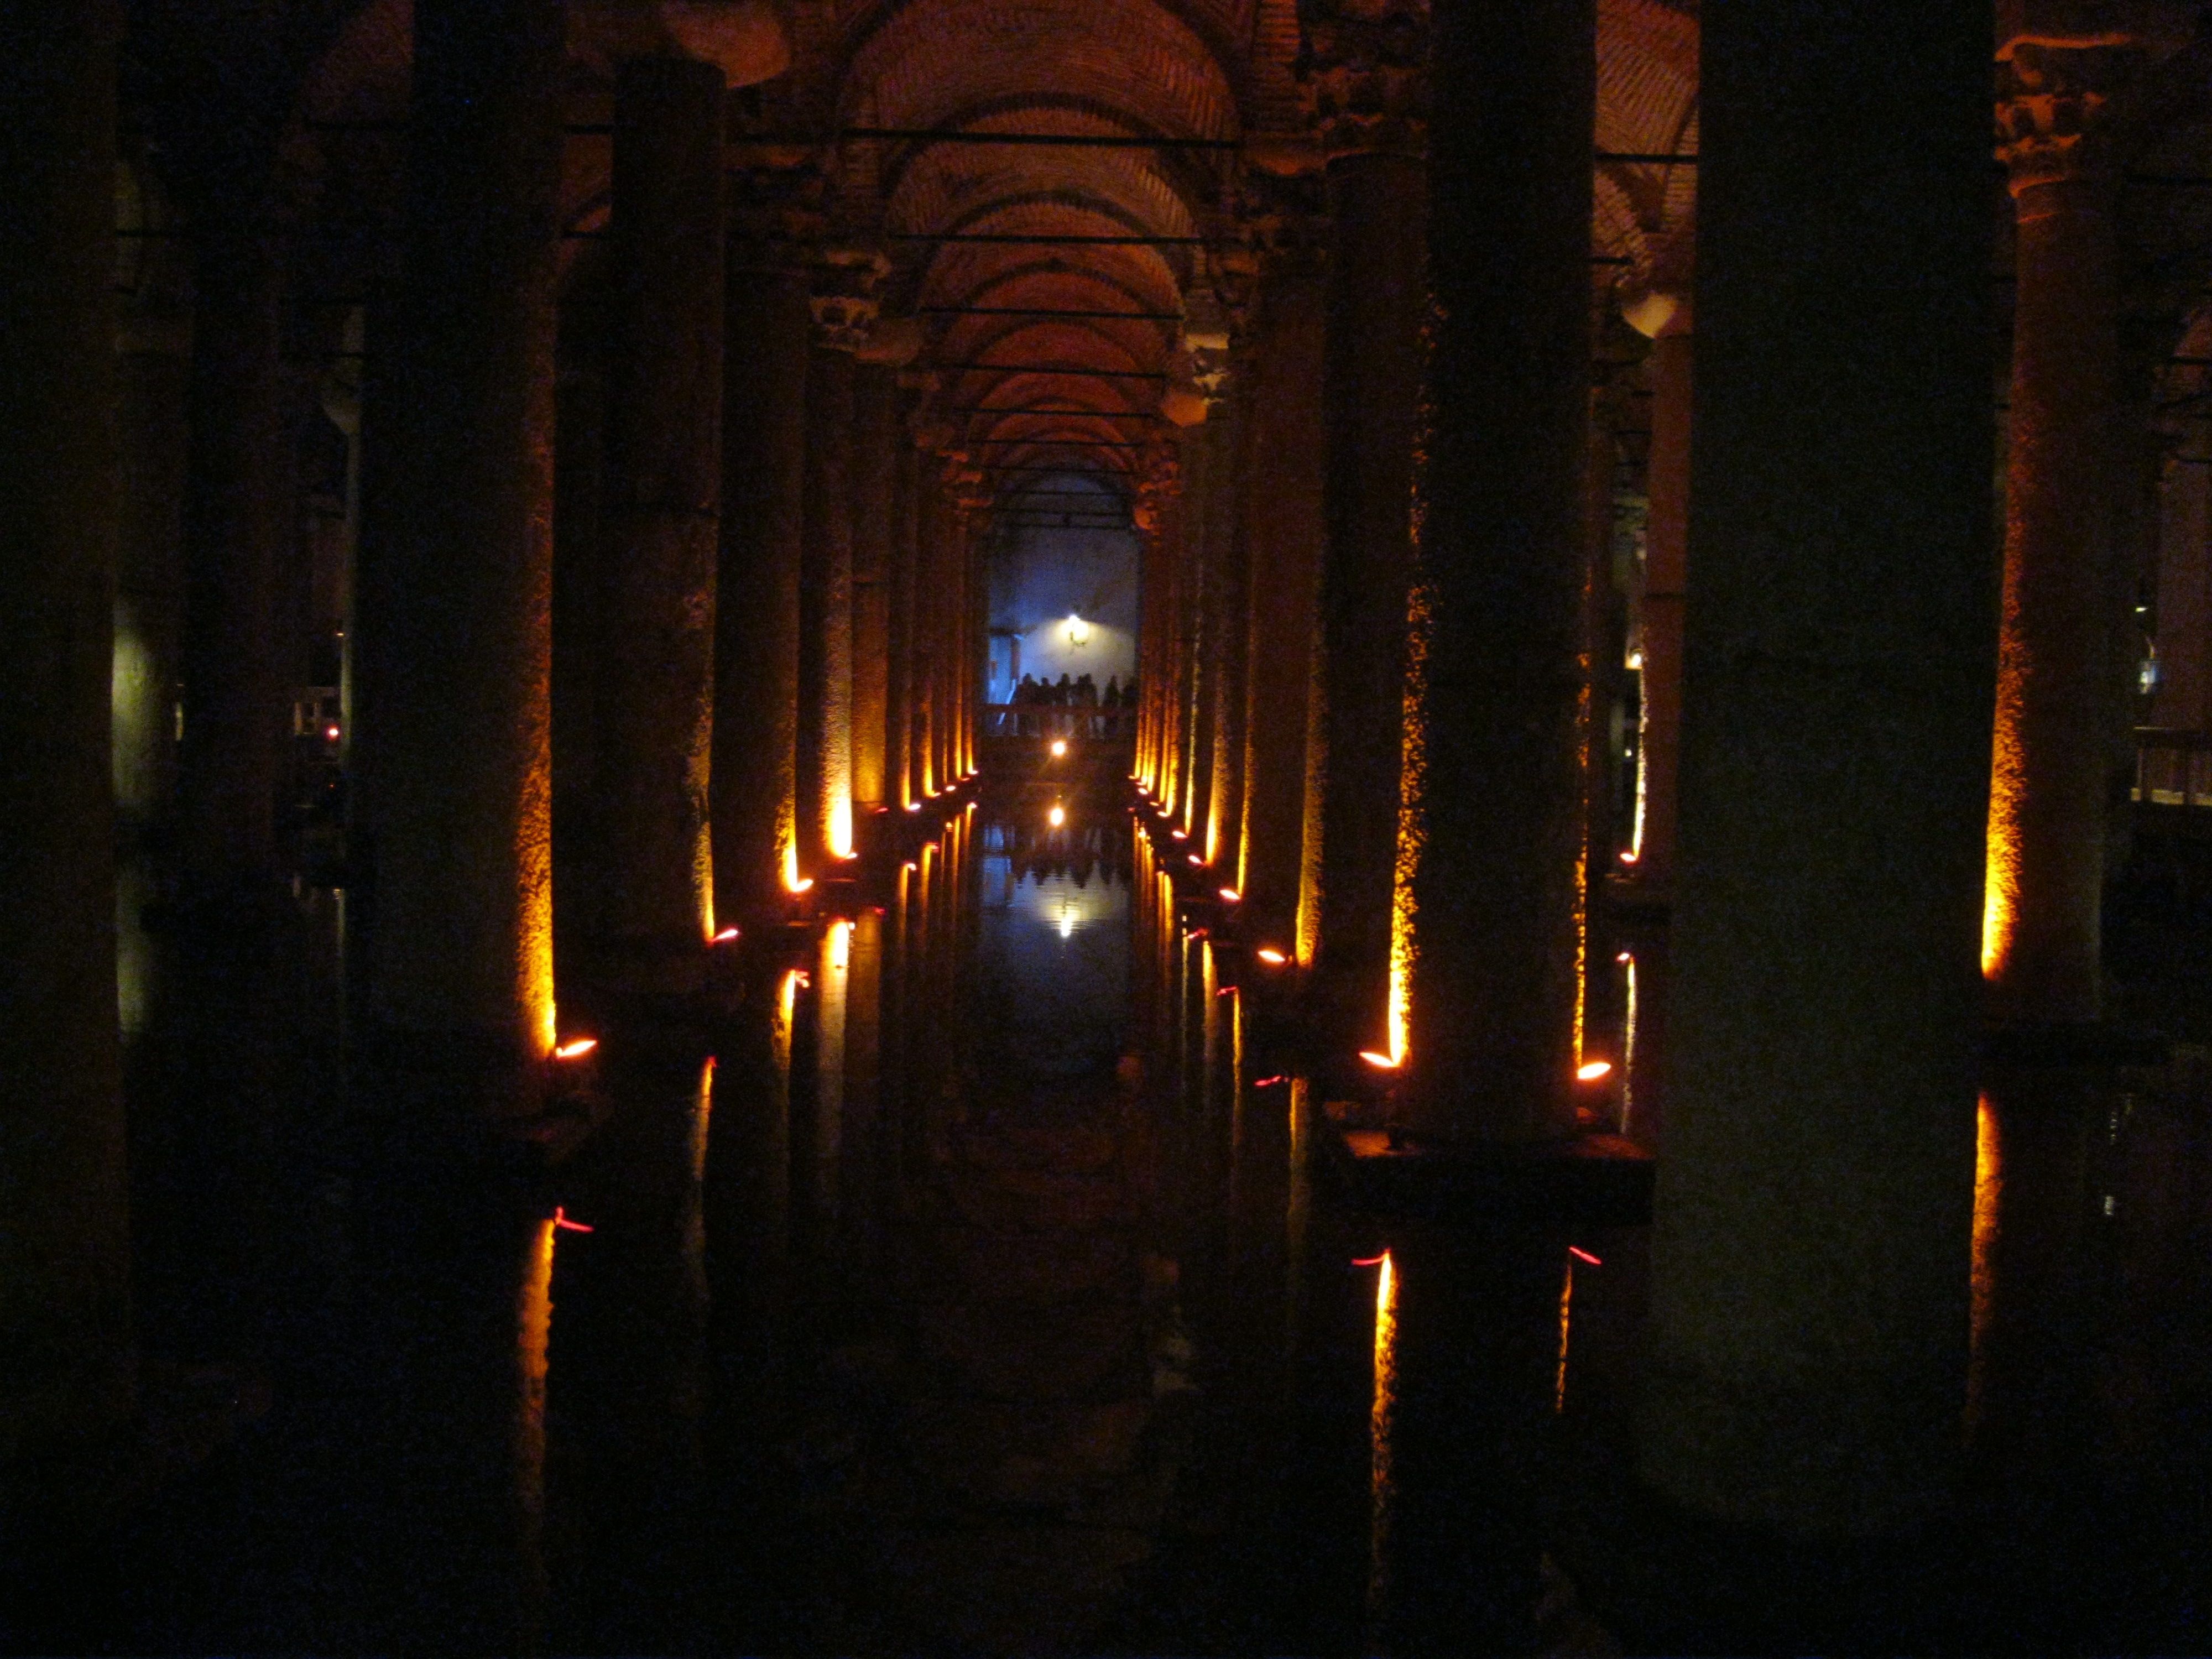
(1194, 859)
(1079, 631)
(1566, 1322)
(908, 864)
(791, 867)
(1230, 895)
(802, 885)
(561, 1221)
(725, 936)
(1179, 835)
(332, 732)
(1628, 855)
(1591, 1071)
(914, 806)
(1371, 1261)
(1379, 1421)
(574, 1050)
(1057, 817)
(1271, 956)
(1226, 991)
(841, 946)
(1058, 747)
(787, 996)
(1270, 1082)
(1624, 957)
(1989, 1192)
(1581, 1254)
(1382, 1061)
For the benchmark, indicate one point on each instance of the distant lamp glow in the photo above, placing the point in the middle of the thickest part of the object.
(1058, 747)
(1271, 956)
(1591, 1071)
(1057, 817)
(576, 1049)
(332, 732)
(1079, 631)
(1230, 895)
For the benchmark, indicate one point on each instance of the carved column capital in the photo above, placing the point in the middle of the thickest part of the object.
(1362, 72)
(2052, 99)
(844, 299)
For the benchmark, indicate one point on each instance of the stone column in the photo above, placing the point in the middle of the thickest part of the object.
(2184, 597)
(754, 795)
(1666, 318)
(1205, 468)
(655, 685)
(874, 521)
(929, 517)
(237, 534)
(898, 643)
(825, 619)
(1232, 591)
(1487, 946)
(2041, 935)
(457, 620)
(1364, 90)
(1808, 1342)
(64, 1225)
(1284, 516)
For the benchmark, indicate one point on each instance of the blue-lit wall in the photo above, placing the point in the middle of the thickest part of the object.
(1041, 576)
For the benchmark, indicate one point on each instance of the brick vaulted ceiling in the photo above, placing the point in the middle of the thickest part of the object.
(1178, 71)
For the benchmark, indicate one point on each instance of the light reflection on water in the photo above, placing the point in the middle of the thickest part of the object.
(1054, 956)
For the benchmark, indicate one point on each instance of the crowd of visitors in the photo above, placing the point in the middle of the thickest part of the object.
(1109, 706)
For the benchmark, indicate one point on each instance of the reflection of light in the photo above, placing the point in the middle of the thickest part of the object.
(1378, 1423)
(1566, 1319)
(914, 806)
(726, 936)
(1057, 817)
(791, 867)
(1194, 859)
(1058, 747)
(1989, 1189)
(802, 884)
(1387, 1062)
(787, 996)
(1581, 1254)
(1066, 924)
(841, 944)
(1179, 835)
(1271, 956)
(1591, 1071)
(1230, 895)
(561, 1220)
(1270, 1082)
(580, 1047)
(1628, 856)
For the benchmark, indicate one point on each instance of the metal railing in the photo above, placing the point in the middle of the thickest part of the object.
(2173, 768)
(1073, 721)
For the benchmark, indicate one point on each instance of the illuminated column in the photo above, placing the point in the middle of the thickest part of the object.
(766, 325)
(2041, 933)
(1487, 945)
(1207, 469)
(875, 393)
(1808, 1330)
(459, 616)
(825, 619)
(237, 533)
(899, 786)
(1232, 588)
(64, 1237)
(656, 683)
(1285, 522)
(929, 513)
(1666, 319)
(1364, 89)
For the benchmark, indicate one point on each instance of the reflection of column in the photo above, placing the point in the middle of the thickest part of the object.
(1285, 527)
(2184, 599)
(1487, 945)
(875, 433)
(64, 1241)
(1809, 1306)
(655, 692)
(1364, 86)
(825, 619)
(2041, 930)
(754, 795)
(1666, 542)
(460, 624)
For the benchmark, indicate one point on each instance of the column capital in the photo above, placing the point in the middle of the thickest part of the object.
(1285, 219)
(1362, 72)
(777, 201)
(746, 40)
(1158, 483)
(844, 299)
(2053, 91)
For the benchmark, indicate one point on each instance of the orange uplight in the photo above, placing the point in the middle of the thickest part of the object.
(1628, 856)
(725, 936)
(1179, 835)
(914, 806)
(802, 884)
(1377, 1058)
(1057, 817)
(575, 1050)
(1058, 747)
(1230, 895)
(1194, 859)
(1271, 956)
(1593, 1070)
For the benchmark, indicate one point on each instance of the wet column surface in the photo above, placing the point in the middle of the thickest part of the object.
(2041, 932)
(1809, 1280)
(656, 679)
(1487, 944)
(65, 1243)
(825, 619)
(458, 618)
(875, 446)
(753, 797)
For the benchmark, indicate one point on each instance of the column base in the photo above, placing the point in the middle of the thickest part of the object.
(1589, 1180)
